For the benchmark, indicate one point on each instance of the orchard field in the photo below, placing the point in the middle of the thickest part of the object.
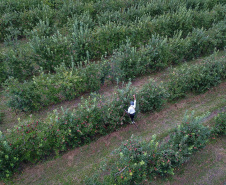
(68, 69)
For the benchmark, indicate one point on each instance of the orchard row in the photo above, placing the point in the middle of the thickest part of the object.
(81, 42)
(33, 140)
(126, 63)
(136, 161)
(20, 17)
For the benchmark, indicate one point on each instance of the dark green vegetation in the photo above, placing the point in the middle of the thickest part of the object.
(55, 50)
(152, 36)
(136, 160)
(32, 140)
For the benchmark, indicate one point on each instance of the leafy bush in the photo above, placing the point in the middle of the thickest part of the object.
(9, 158)
(17, 63)
(152, 96)
(1, 117)
(50, 51)
(136, 160)
(47, 89)
(106, 38)
(188, 137)
(95, 116)
(126, 62)
(3, 75)
(22, 96)
(218, 32)
(156, 53)
(220, 124)
(131, 165)
(196, 78)
(23, 19)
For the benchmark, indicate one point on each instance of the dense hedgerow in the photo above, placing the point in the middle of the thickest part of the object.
(17, 63)
(49, 47)
(220, 124)
(9, 158)
(197, 78)
(16, 24)
(98, 116)
(152, 96)
(136, 160)
(127, 62)
(94, 117)
(47, 89)
(3, 75)
(106, 38)
(1, 117)
(15, 15)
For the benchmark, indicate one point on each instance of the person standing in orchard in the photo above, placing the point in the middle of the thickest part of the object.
(131, 109)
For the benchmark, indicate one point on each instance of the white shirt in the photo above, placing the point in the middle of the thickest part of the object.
(131, 109)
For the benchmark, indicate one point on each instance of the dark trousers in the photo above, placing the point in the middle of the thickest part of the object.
(132, 116)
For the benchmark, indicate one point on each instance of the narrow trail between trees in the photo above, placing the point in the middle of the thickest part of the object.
(75, 164)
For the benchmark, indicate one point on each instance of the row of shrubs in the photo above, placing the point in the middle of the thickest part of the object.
(138, 160)
(1, 117)
(21, 17)
(9, 6)
(196, 78)
(127, 62)
(34, 140)
(48, 50)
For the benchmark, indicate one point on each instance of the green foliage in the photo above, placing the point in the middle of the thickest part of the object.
(220, 124)
(152, 96)
(3, 75)
(9, 158)
(47, 89)
(105, 38)
(219, 33)
(26, 14)
(85, 31)
(17, 63)
(1, 117)
(29, 141)
(24, 19)
(156, 53)
(21, 97)
(136, 160)
(188, 137)
(95, 116)
(131, 165)
(197, 78)
(67, 84)
(50, 51)
(93, 29)
(125, 62)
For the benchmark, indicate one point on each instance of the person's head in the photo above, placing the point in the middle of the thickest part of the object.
(131, 103)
